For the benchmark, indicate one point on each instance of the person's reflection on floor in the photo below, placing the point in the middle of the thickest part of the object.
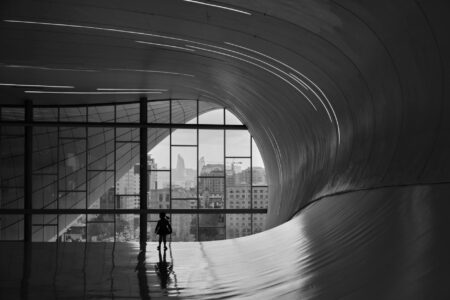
(142, 274)
(163, 270)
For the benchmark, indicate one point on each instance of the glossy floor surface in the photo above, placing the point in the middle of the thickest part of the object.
(353, 246)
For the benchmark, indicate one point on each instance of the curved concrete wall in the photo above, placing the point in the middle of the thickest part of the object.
(383, 65)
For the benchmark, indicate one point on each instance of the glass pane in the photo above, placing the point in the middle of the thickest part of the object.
(49, 114)
(259, 222)
(101, 149)
(11, 197)
(100, 218)
(184, 204)
(12, 145)
(210, 113)
(72, 228)
(11, 227)
(159, 145)
(153, 217)
(258, 170)
(127, 113)
(72, 166)
(238, 172)
(101, 190)
(127, 202)
(238, 225)
(211, 234)
(231, 119)
(44, 220)
(184, 227)
(259, 176)
(159, 180)
(238, 143)
(158, 112)
(13, 113)
(260, 197)
(72, 132)
(44, 191)
(44, 228)
(104, 113)
(212, 220)
(127, 173)
(127, 134)
(44, 233)
(192, 121)
(72, 114)
(238, 196)
(74, 200)
(11, 132)
(238, 183)
(45, 147)
(210, 153)
(128, 184)
(211, 192)
(183, 111)
(100, 228)
(151, 226)
(184, 175)
(184, 137)
(127, 228)
(159, 189)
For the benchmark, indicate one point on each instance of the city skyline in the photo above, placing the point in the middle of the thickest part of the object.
(215, 154)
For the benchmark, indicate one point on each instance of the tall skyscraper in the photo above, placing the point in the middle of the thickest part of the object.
(201, 164)
(179, 173)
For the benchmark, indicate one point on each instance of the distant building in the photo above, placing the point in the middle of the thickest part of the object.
(239, 196)
(211, 170)
(259, 176)
(201, 164)
(107, 200)
(128, 184)
(179, 173)
(211, 194)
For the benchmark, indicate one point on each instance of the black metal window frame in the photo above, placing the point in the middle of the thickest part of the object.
(28, 123)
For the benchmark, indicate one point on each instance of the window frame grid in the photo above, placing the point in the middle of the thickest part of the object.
(28, 122)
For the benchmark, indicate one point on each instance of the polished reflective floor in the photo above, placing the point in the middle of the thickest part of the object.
(240, 268)
(363, 245)
(213, 270)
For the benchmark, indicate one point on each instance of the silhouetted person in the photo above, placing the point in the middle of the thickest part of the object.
(163, 228)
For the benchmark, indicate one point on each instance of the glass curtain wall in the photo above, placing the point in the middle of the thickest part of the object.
(85, 172)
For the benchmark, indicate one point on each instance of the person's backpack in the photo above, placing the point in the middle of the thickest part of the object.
(168, 227)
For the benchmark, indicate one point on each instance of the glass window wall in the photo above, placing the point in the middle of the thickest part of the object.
(87, 171)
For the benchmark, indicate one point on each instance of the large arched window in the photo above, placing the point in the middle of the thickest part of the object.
(104, 172)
